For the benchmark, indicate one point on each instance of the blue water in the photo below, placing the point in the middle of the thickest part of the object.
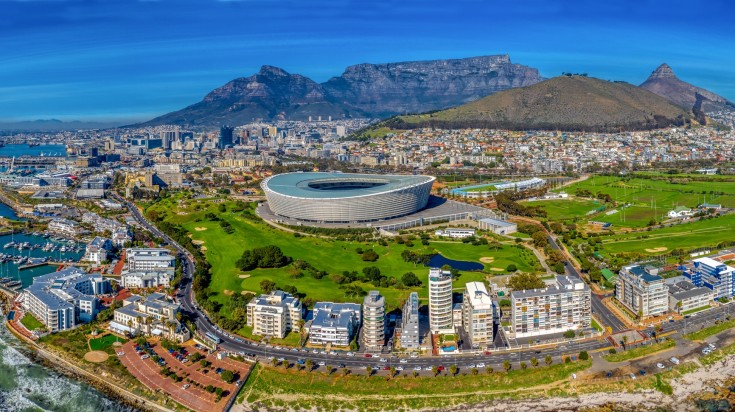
(10, 269)
(18, 150)
(449, 348)
(8, 213)
(438, 261)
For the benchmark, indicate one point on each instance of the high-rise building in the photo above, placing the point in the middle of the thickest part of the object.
(373, 321)
(477, 315)
(410, 336)
(554, 309)
(642, 290)
(274, 314)
(225, 136)
(440, 301)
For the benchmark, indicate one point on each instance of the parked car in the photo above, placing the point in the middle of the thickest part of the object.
(399, 368)
(660, 365)
(367, 355)
(480, 365)
(674, 360)
(383, 360)
(632, 376)
(186, 386)
(350, 354)
(417, 368)
(322, 363)
(642, 372)
(403, 361)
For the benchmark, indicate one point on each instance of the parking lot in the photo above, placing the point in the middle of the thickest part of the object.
(190, 394)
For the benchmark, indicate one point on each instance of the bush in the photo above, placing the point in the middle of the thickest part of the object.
(584, 355)
(511, 268)
(410, 279)
(370, 256)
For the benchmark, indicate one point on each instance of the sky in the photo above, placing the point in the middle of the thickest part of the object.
(126, 60)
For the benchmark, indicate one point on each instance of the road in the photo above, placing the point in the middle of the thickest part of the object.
(358, 361)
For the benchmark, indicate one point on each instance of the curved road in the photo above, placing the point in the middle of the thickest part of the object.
(495, 359)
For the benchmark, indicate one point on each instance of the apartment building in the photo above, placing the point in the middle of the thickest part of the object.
(274, 314)
(409, 332)
(373, 321)
(148, 259)
(716, 276)
(61, 300)
(685, 296)
(440, 301)
(334, 323)
(557, 308)
(96, 251)
(477, 314)
(151, 315)
(64, 227)
(642, 290)
(137, 280)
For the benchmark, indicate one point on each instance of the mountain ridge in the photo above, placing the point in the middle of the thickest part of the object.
(664, 82)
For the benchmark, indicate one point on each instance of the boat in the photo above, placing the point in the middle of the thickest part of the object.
(13, 284)
(9, 245)
(5, 280)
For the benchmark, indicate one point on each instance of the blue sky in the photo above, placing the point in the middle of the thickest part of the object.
(132, 60)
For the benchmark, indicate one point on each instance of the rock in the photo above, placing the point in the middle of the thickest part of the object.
(664, 83)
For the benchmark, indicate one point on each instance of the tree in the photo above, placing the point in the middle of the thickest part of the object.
(548, 360)
(370, 256)
(569, 334)
(228, 376)
(392, 371)
(525, 281)
(435, 370)
(584, 355)
(475, 371)
(539, 239)
(453, 370)
(267, 286)
(534, 362)
(410, 279)
(275, 362)
(625, 341)
(523, 365)
(309, 365)
(507, 365)
(511, 268)
(369, 370)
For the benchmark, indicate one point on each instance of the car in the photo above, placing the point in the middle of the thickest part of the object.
(367, 355)
(121, 354)
(333, 353)
(238, 340)
(488, 353)
(386, 368)
(574, 376)
(186, 386)
(323, 352)
(417, 368)
(711, 346)
(305, 350)
(342, 366)
(375, 368)
(322, 363)
(608, 374)
(440, 368)
(383, 360)
(145, 357)
(300, 362)
(350, 354)
(315, 352)
(471, 366)
(632, 376)
(674, 360)
(399, 368)
(480, 365)
(642, 372)
(241, 353)
(706, 351)
(294, 350)
(278, 348)
(414, 355)
(428, 368)
(281, 359)
(660, 365)
(184, 360)
(403, 361)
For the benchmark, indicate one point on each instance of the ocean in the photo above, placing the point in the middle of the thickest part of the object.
(18, 150)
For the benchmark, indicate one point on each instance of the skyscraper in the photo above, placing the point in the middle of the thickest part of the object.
(440, 301)
(225, 136)
(373, 321)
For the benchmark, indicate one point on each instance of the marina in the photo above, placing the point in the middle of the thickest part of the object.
(24, 256)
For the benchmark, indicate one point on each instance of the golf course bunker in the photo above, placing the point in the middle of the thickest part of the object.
(96, 356)
(197, 242)
(244, 276)
(487, 259)
(657, 249)
(200, 229)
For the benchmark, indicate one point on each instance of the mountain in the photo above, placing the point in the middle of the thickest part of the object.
(664, 83)
(572, 103)
(364, 90)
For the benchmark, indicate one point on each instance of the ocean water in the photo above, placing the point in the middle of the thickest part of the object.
(26, 387)
(18, 150)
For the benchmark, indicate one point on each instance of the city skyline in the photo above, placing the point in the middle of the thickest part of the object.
(133, 60)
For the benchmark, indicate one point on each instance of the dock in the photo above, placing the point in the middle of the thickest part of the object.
(32, 265)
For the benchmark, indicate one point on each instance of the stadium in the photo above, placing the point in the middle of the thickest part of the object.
(345, 197)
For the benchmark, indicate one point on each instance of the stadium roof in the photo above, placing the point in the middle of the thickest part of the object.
(334, 185)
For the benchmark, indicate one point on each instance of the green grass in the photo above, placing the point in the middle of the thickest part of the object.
(31, 323)
(640, 351)
(717, 354)
(566, 209)
(695, 310)
(596, 325)
(484, 188)
(712, 330)
(105, 342)
(332, 256)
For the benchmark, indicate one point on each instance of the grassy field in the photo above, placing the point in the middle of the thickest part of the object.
(31, 323)
(640, 351)
(566, 209)
(709, 331)
(332, 256)
(289, 389)
(105, 342)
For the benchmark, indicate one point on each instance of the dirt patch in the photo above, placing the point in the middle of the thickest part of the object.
(228, 292)
(117, 344)
(657, 249)
(248, 292)
(497, 269)
(487, 259)
(200, 229)
(203, 248)
(197, 242)
(96, 356)
(244, 276)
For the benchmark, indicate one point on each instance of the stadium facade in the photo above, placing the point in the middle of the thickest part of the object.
(346, 197)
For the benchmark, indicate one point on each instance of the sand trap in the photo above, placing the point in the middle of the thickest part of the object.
(96, 356)
(197, 242)
(657, 249)
(203, 248)
(244, 276)
(248, 292)
(487, 259)
(228, 292)
(200, 229)
(497, 269)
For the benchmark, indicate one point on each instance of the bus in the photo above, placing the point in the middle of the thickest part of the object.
(212, 337)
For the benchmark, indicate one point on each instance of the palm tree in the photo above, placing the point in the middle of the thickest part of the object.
(453, 370)
(625, 341)
(275, 362)
(435, 370)
(309, 365)
(475, 371)
(368, 370)
(534, 362)
(507, 366)
(392, 371)
(548, 360)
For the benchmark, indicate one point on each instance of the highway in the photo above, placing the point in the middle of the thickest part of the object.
(359, 361)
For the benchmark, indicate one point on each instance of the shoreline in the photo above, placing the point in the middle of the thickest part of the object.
(65, 367)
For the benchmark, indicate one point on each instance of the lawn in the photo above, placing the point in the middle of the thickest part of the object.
(640, 351)
(695, 310)
(314, 390)
(566, 209)
(105, 342)
(332, 256)
(31, 323)
(712, 330)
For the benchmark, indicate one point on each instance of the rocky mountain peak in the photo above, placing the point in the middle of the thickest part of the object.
(663, 71)
(267, 70)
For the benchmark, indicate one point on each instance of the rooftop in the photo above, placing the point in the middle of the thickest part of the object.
(318, 185)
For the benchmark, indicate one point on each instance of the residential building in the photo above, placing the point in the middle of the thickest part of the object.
(456, 233)
(680, 211)
(152, 315)
(500, 227)
(334, 323)
(274, 314)
(148, 259)
(440, 301)
(409, 332)
(137, 280)
(373, 321)
(121, 236)
(477, 315)
(557, 308)
(642, 291)
(685, 296)
(64, 227)
(714, 275)
(61, 300)
(96, 251)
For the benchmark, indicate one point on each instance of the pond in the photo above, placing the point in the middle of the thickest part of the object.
(438, 261)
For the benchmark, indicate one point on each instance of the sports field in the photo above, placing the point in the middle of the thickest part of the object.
(332, 256)
(566, 209)
(105, 342)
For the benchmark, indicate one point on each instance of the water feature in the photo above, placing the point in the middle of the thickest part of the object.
(18, 150)
(438, 261)
(25, 386)
(9, 268)
(8, 212)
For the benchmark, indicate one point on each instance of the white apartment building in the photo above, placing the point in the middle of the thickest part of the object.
(152, 315)
(440, 301)
(477, 314)
(409, 333)
(373, 321)
(64, 227)
(642, 291)
(148, 259)
(136, 280)
(334, 323)
(685, 296)
(274, 314)
(96, 251)
(554, 309)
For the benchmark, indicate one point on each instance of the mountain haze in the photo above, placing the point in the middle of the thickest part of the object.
(573, 103)
(364, 90)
